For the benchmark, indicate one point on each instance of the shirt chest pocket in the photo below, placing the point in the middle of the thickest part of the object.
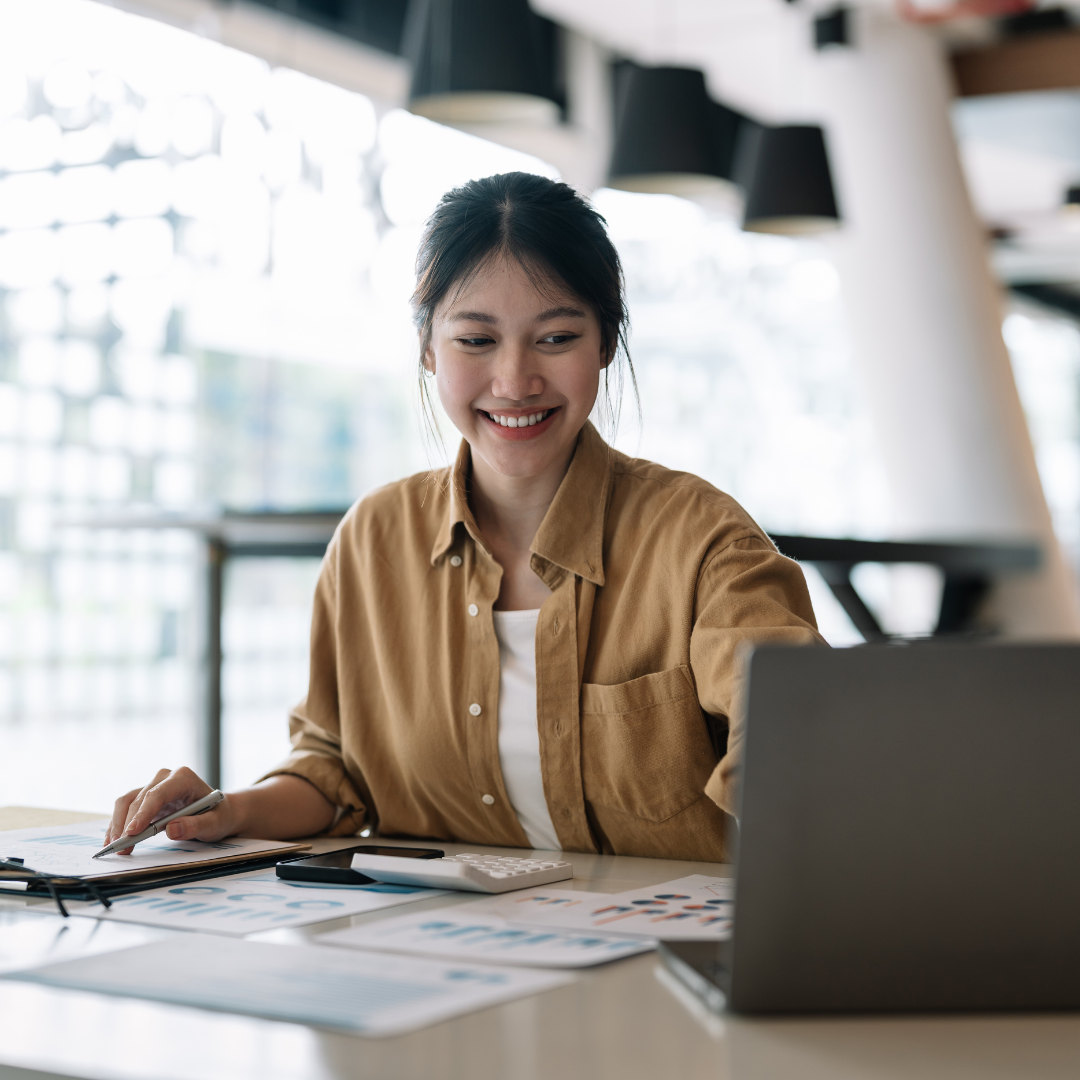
(645, 746)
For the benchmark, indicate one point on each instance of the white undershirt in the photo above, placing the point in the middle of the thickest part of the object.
(519, 740)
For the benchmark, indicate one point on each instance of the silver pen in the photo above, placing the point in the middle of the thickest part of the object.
(207, 802)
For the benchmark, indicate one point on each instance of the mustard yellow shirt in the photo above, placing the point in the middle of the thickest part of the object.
(658, 583)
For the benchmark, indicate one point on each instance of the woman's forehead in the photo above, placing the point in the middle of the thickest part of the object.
(502, 274)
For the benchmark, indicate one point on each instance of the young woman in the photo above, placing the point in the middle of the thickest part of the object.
(540, 646)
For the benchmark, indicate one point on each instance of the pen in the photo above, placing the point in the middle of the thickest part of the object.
(198, 807)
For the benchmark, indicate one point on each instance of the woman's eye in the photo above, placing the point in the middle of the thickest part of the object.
(558, 339)
(475, 341)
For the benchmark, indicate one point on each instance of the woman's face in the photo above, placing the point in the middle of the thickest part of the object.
(517, 367)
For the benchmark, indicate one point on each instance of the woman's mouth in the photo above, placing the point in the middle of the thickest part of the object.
(522, 425)
(521, 420)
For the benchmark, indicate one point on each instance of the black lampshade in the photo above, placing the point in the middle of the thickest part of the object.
(670, 136)
(476, 61)
(786, 177)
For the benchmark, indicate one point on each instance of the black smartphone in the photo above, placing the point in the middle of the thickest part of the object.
(335, 868)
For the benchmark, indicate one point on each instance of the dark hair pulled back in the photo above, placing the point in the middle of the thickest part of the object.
(553, 233)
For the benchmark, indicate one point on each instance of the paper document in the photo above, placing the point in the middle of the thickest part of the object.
(67, 849)
(244, 903)
(367, 993)
(694, 907)
(452, 934)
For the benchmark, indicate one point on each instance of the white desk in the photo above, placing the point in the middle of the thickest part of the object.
(619, 1022)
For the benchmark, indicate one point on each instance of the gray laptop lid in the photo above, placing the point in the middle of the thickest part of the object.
(910, 830)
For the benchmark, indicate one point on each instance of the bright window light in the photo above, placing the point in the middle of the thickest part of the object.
(9, 468)
(39, 361)
(85, 194)
(30, 258)
(28, 201)
(113, 477)
(143, 188)
(80, 368)
(87, 253)
(109, 422)
(43, 417)
(67, 85)
(87, 307)
(76, 476)
(39, 471)
(243, 144)
(144, 430)
(143, 248)
(90, 144)
(12, 90)
(29, 144)
(36, 311)
(174, 483)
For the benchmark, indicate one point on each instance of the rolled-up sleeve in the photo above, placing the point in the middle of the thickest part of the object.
(748, 595)
(315, 723)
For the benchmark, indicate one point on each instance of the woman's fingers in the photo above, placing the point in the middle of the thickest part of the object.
(212, 825)
(168, 792)
(120, 815)
(125, 807)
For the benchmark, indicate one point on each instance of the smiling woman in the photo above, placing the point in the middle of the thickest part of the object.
(539, 646)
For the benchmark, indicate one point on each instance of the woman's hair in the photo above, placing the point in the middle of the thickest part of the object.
(556, 237)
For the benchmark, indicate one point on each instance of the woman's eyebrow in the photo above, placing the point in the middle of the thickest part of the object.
(560, 313)
(472, 316)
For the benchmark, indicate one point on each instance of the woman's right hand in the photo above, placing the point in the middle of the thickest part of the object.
(168, 792)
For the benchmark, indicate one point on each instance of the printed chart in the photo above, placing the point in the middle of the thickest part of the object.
(489, 940)
(360, 992)
(68, 850)
(696, 907)
(245, 903)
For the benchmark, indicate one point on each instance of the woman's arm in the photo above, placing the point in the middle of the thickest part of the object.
(281, 808)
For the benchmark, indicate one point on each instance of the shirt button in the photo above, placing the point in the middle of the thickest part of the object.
(487, 800)
(475, 709)
(455, 560)
(473, 609)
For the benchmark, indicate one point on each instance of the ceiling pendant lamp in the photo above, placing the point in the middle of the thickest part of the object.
(477, 62)
(785, 174)
(670, 136)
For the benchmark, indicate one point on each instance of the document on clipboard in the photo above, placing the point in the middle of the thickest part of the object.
(65, 851)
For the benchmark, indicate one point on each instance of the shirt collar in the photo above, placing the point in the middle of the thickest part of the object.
(572, 532)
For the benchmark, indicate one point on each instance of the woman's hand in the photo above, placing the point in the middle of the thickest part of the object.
(164, 795)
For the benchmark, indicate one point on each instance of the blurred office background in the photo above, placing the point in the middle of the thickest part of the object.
(205, 262)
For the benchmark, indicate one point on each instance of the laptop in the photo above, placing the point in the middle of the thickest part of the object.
(909, 834)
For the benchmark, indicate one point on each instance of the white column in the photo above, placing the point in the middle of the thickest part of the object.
(925, 314)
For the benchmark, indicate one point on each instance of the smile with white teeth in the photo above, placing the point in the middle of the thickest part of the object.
(519, 421)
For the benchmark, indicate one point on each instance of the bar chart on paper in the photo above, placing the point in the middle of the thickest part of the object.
(245, 903)
(449, 934)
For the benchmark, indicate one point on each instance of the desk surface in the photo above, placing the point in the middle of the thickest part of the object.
(624, 1021)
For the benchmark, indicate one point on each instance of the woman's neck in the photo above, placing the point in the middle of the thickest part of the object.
(509, 509)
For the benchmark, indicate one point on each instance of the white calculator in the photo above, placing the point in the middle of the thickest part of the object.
(473, 873)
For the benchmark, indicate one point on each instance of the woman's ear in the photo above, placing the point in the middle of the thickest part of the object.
(429, 357)
(606, 356)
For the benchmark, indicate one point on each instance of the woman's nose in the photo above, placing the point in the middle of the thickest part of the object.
(514, 377)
